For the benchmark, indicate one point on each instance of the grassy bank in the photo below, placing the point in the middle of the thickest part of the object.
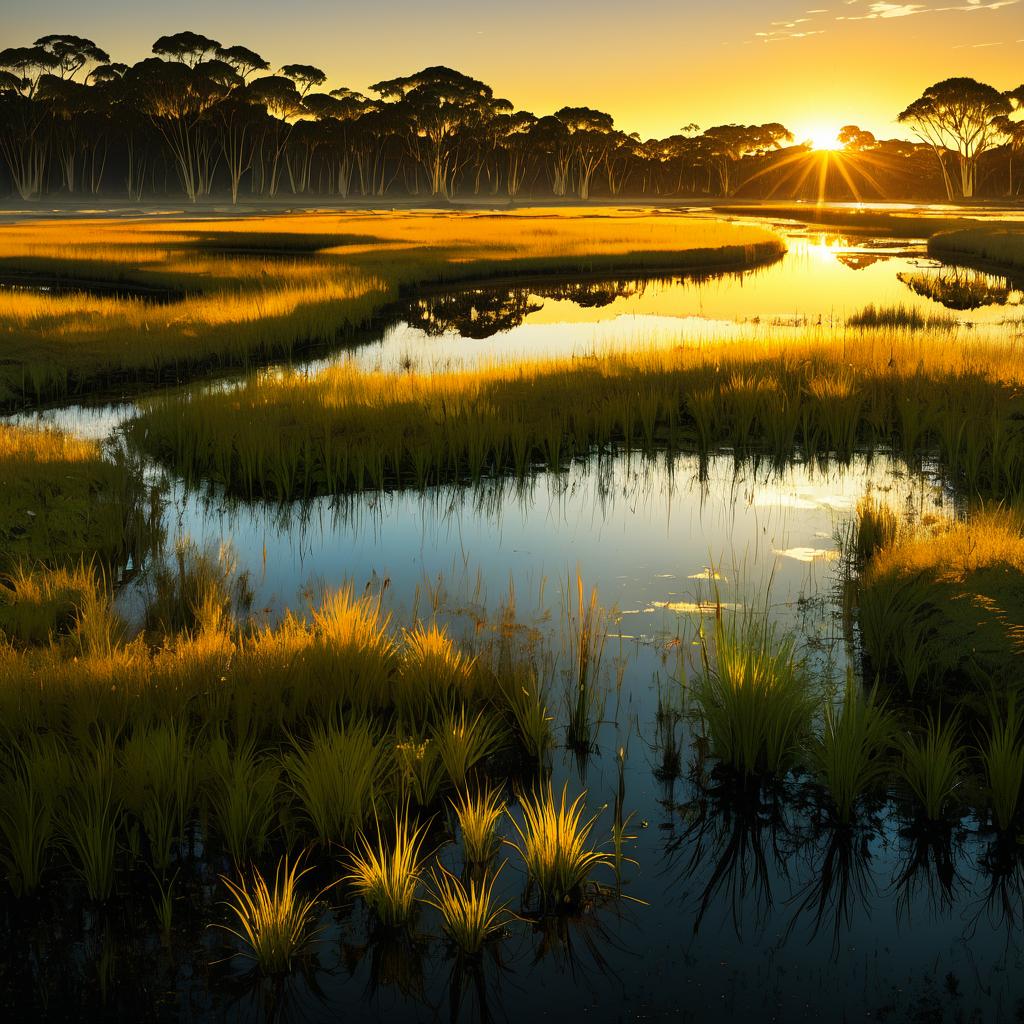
(247, 290)
(63, 500)
(345, 430)
(996, 245)
(942, 606)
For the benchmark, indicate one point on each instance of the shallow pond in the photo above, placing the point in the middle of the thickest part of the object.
(738, 909)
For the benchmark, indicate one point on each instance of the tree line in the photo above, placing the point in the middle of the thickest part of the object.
(199, 118)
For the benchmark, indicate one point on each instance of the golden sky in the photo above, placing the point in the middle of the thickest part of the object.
(654, 64)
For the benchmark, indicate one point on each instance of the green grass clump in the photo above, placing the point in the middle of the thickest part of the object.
(554, 843)
(933, 767)
(275, 925)
(899, 317)
(469, 913)
(387, 873)
(755, 700)
(463, 742)
(241, 789)
(942, 606)
(1002, 759)
(335, 777)
(852, 755)
(478, 817)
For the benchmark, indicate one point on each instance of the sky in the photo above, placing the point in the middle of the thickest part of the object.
(655, 65)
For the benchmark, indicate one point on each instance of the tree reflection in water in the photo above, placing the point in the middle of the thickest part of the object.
(964, 288)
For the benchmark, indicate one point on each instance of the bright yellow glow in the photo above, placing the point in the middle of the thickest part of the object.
(824, 139)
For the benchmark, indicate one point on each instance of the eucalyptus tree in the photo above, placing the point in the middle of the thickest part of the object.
(620, 160)
(590, 137)
(1013, 131)
(24, 127)
(177, 96)
(514, 130)
(438, 107)
(237, 114)
(72, 54)
(727, 145)
(281, 103)
(338, 113)
(959, 116)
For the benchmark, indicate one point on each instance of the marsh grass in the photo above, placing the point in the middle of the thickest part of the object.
(900, 317)
(478, 815)
(1000, 244)
(586, 624)
(1002, 759)
(933, 767)
(942, 604)
(387, 872)
(853, 754)
(248, 305)
(275, 925)
(241, 789)
(348, 430)
(66, 503)
(464, 742)
(199, 589)
(335, 777)
(158, 786)
(554, 843)
(90, 820)
(754, 698)
(470, 915)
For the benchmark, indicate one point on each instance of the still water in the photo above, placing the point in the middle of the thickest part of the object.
(737, 909)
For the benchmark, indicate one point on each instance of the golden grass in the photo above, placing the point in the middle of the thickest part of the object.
(991, 244)
(62, 501)
(252, 304)
(346, 429)
(948, 596)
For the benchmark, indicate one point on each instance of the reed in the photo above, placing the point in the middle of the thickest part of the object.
(554, 843)
(275, 925)
(933, 767)
(90, 820)
(241, 788)
(463, 742)
(470, 915)
(387, 872)
(157, 786)
(30, 790)
(853, 754)
(478, 817)
(335, 778)
(1002, 759)
(347, 429)
(755, 701)
(526, 699)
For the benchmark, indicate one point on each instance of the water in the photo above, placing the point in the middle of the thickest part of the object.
(736, 910)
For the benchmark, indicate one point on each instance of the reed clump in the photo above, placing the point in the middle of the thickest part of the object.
(274, 923)
(755, 699)
(999, 243)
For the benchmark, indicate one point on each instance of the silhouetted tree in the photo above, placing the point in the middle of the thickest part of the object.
(959, 116)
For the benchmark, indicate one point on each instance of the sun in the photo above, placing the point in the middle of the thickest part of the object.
(824, 139)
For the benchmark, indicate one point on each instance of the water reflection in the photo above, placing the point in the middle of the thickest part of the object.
(962, 288)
